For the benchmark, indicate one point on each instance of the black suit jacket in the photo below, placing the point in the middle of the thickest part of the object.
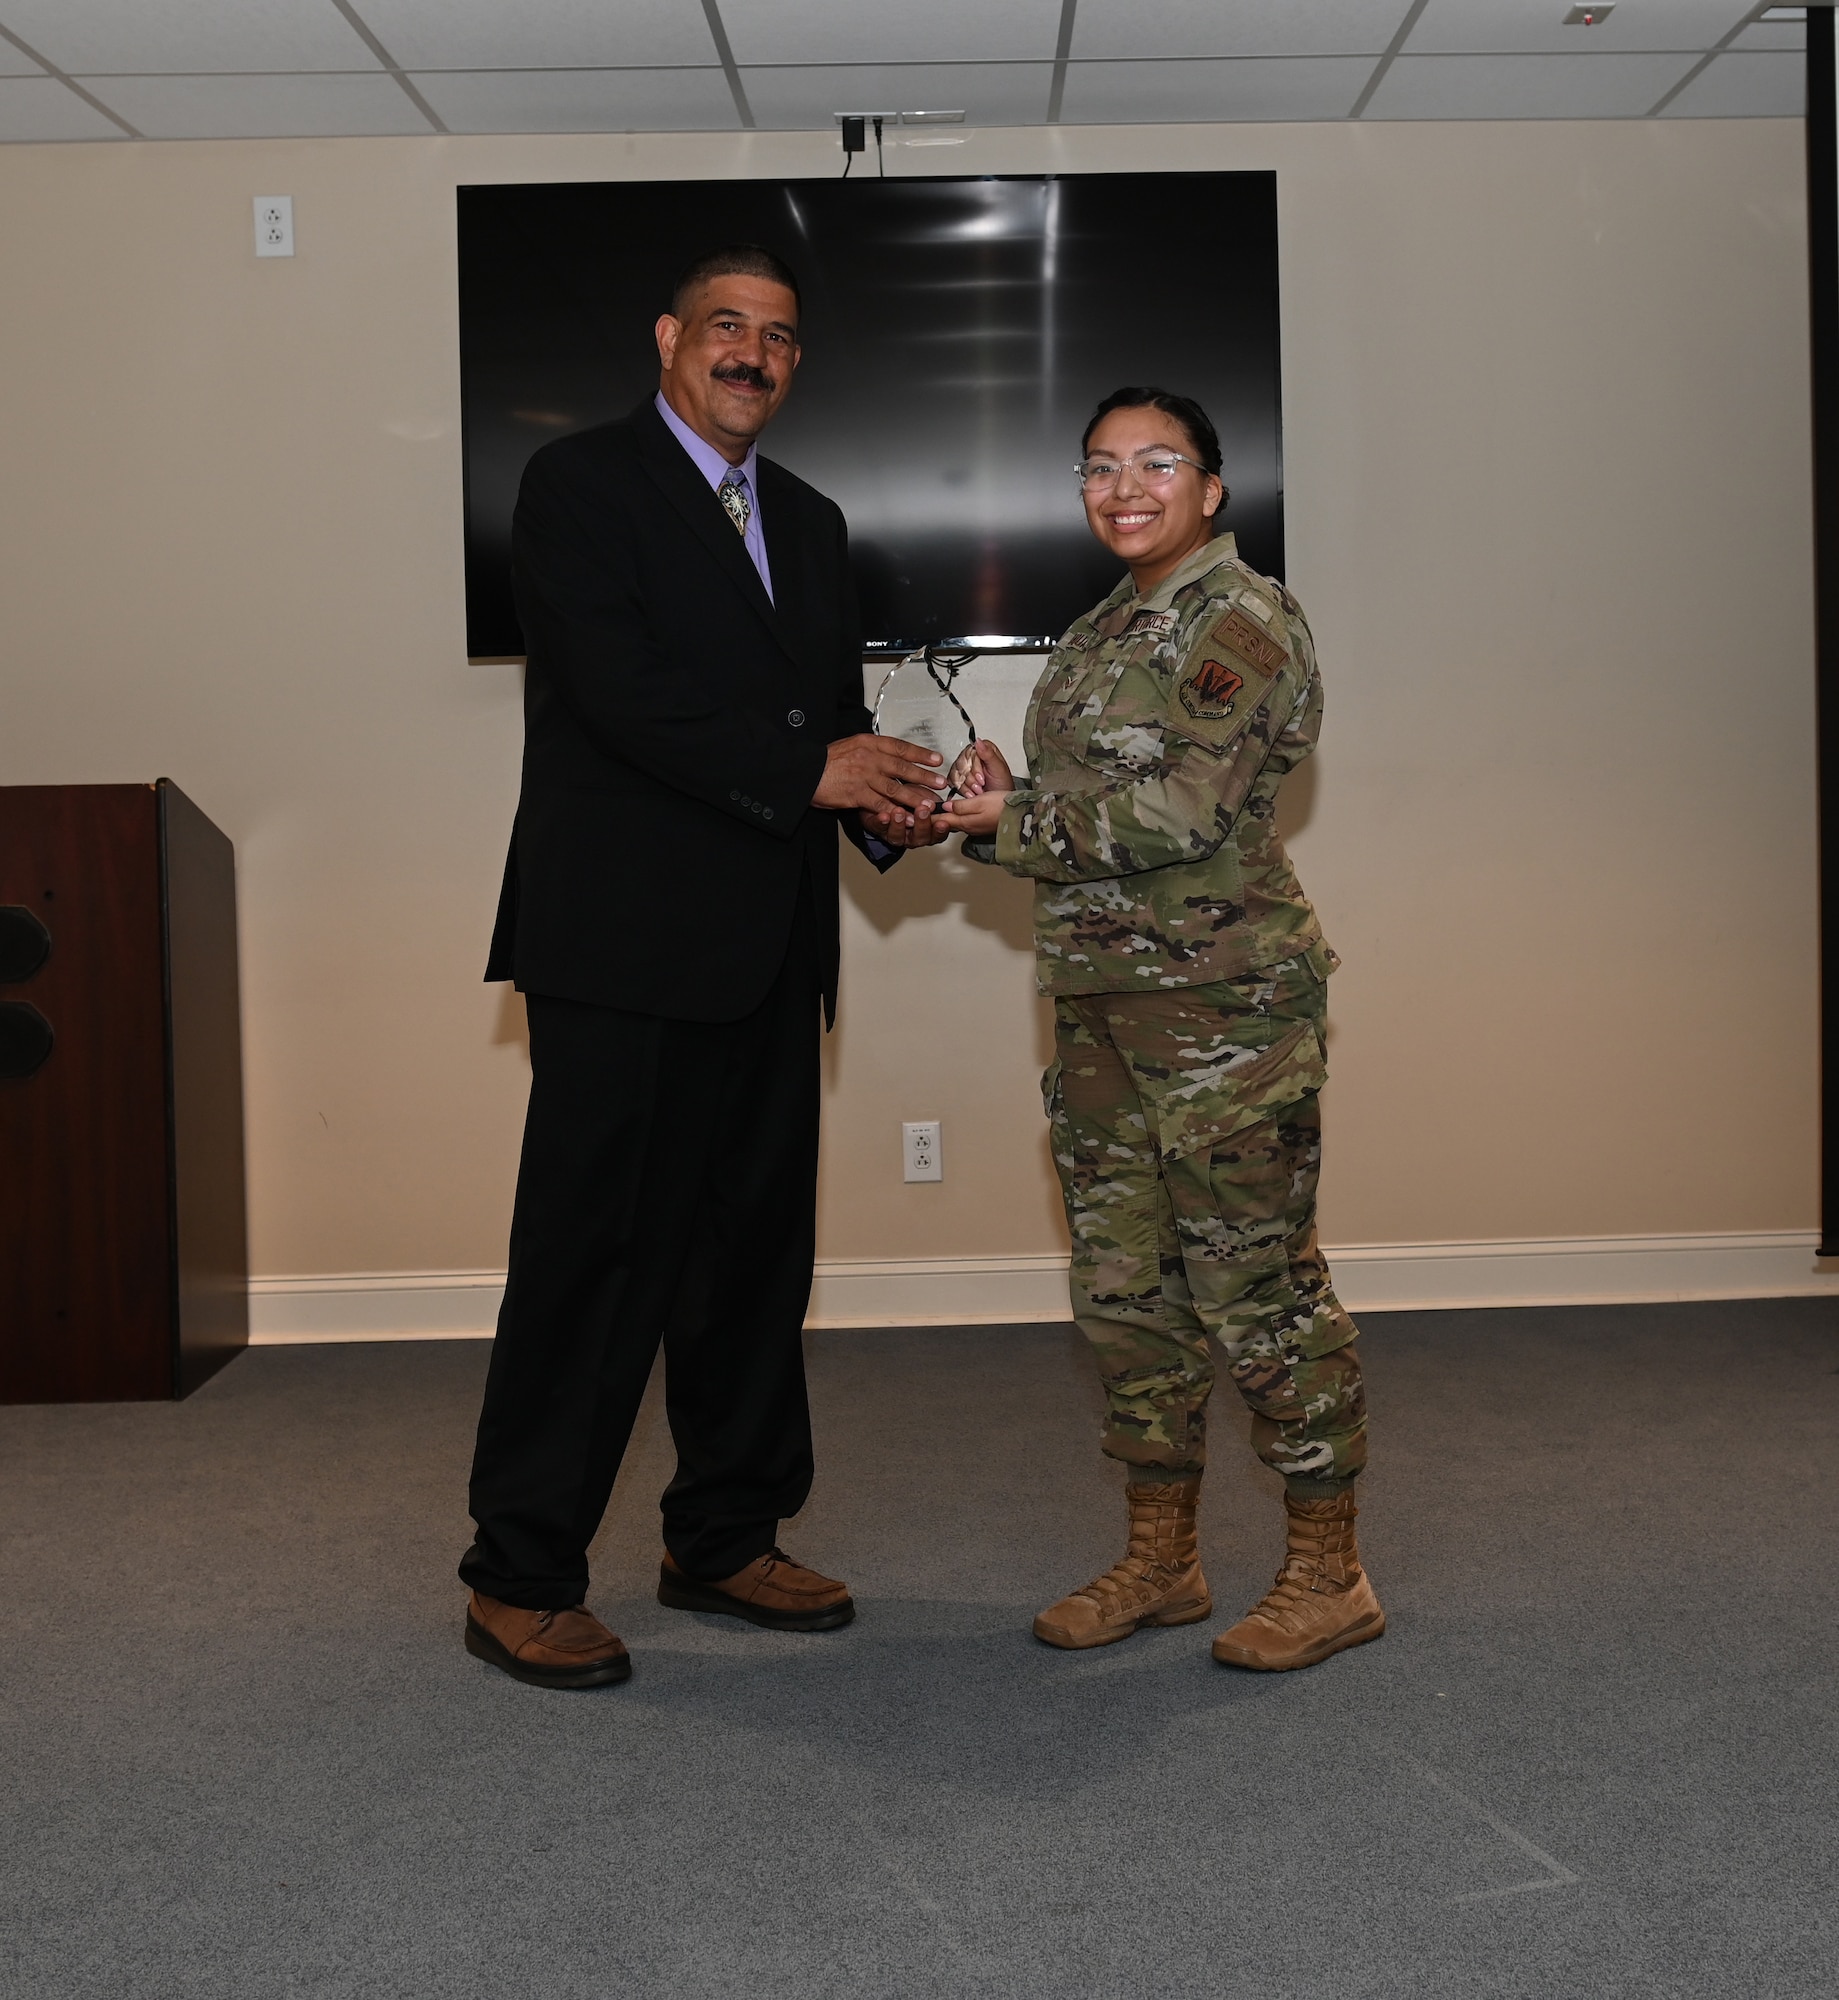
(675, 723)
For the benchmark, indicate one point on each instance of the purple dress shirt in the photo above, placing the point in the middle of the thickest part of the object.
(715, 468)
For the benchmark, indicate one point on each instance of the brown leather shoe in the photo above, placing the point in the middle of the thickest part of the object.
(549, 1649)
(772, 1590)
(1321, 1602)
(1158, 1582)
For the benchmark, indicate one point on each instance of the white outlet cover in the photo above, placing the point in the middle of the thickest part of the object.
(274, 225)
(920, 1155)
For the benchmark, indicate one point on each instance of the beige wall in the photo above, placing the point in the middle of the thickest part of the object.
(1547, 465)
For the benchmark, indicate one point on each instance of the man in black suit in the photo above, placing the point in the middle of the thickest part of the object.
(694, 735)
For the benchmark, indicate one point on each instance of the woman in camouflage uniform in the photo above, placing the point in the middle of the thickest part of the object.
(1188, 975)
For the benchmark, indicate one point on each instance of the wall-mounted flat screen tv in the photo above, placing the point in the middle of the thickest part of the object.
(957, 333)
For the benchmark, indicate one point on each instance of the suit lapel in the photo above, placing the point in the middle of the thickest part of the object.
(786, 552)
(689, 492)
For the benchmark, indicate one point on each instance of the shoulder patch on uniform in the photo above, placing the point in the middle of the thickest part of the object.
(1257, 649)
(1207, 692)
(1261, 608)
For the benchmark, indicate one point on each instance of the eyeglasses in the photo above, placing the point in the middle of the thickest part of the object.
(1152, 468)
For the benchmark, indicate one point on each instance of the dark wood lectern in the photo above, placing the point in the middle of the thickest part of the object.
(124, 1272)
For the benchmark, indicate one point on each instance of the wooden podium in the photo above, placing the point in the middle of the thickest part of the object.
(124, 1272)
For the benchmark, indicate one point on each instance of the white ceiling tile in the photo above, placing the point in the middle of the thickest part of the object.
(1126, 28)
(261, 107)
(39, 107)
(1534, 27)
(890, 31)
(1773, 35)
(582, 100)
(1297, 88)
(12, 63)
(1603, 86)
(1746, 86)
(987, 93)
(110, 37)
(539, 34)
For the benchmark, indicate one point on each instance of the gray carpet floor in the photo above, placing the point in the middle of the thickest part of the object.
(245, 1755)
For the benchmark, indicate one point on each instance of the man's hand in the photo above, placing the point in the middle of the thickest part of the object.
(907, 830)
(897, 782)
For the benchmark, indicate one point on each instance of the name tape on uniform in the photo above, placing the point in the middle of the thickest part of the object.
(1257, 649)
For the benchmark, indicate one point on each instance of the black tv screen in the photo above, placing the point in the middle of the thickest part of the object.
(956, 332)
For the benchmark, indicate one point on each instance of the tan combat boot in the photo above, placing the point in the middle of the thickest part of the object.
(1321, 1601)
(1158, 1582)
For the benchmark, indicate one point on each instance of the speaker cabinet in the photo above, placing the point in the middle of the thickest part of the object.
(124, 1271)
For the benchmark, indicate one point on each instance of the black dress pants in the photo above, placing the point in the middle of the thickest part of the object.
(667, 1191)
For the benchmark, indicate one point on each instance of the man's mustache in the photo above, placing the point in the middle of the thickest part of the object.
(742, 371)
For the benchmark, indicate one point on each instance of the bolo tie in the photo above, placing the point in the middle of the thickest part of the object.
(732, 493)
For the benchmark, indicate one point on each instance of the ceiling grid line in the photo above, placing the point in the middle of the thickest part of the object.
(216, 69)
(1386, 61)
(1063, 54)
(1702, 56)
(362, 30)
(1705, 61)
(724, 50)
(69, 82)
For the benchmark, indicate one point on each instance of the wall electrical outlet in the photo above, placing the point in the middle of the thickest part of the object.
(274, 225)
(920, 1150)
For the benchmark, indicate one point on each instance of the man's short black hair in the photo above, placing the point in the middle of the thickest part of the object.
(1184, 409)
(733, 260)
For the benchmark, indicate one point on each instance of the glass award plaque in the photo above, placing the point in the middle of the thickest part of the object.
(916, 702)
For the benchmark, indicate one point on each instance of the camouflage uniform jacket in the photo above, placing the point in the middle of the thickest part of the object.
(1156, 741)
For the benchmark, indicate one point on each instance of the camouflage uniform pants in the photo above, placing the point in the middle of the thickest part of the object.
(1187, 1135)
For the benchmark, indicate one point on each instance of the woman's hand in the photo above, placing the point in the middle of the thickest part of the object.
(987, 771)
(976, 816)
(984, 785)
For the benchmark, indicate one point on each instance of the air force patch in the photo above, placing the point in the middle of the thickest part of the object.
(1208, 692)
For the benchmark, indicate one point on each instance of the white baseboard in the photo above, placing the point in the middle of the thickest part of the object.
(987, 1291)
(1580, 1271)
(375, 1305)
